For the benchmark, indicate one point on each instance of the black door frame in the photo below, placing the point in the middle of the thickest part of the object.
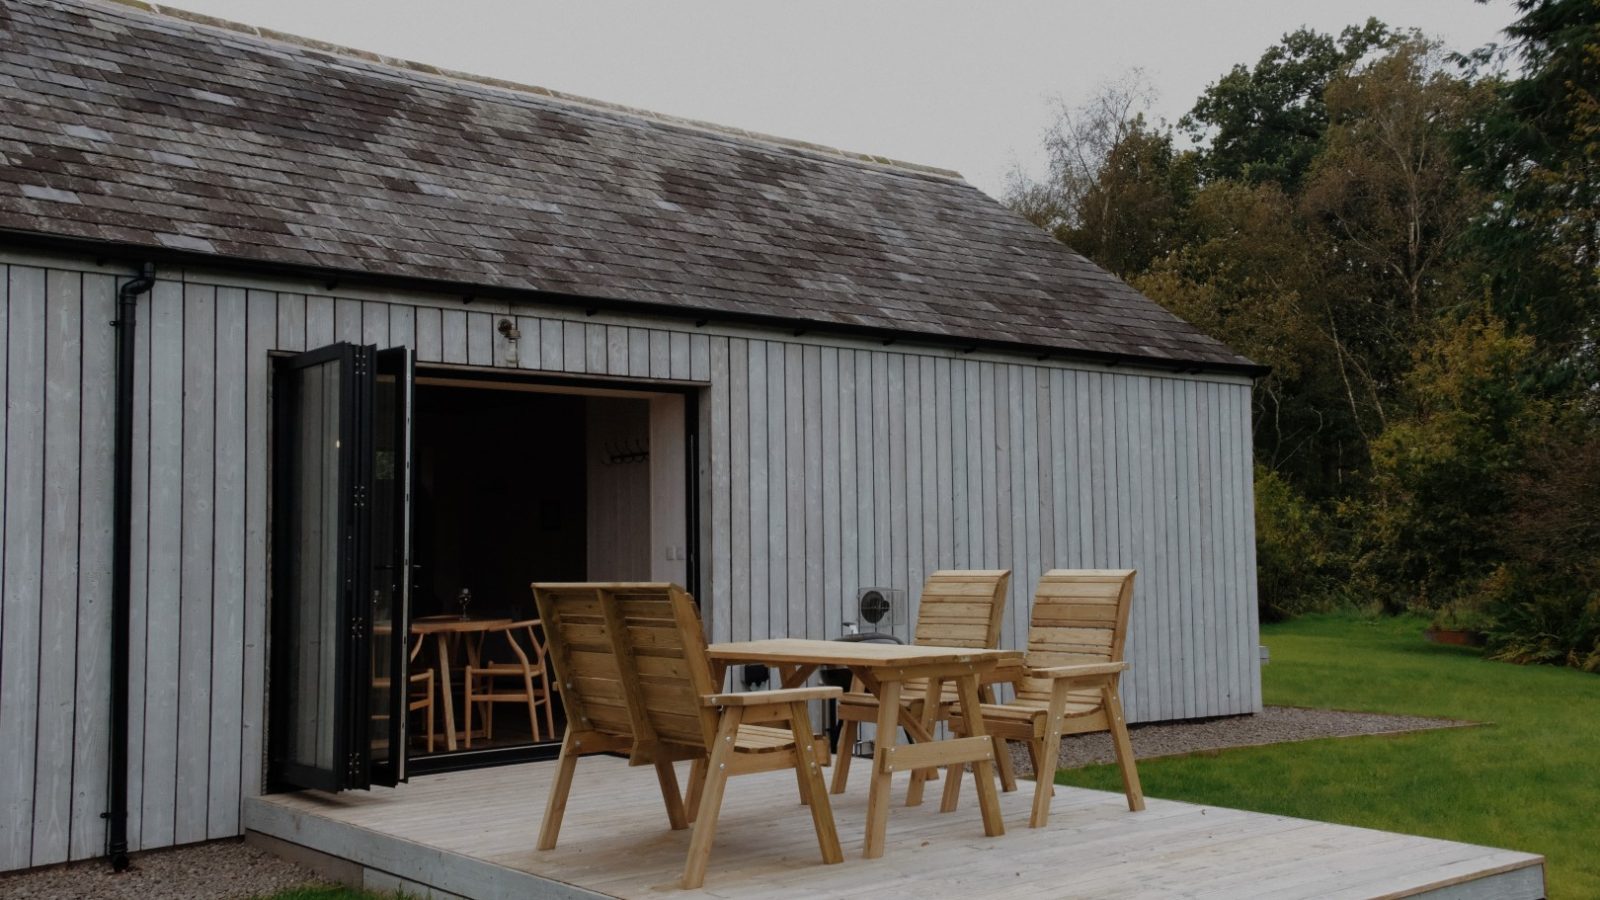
(349, 704)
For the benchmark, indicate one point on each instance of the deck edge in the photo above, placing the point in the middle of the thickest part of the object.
(418, 863)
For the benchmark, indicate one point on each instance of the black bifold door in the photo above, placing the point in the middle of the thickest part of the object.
(341, 497)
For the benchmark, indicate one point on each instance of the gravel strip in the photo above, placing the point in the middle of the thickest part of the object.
(1273, 725)
(221, 870)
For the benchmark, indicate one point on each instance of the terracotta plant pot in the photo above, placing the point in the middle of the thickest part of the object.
(1454, 636)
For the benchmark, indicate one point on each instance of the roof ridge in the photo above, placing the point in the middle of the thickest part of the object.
(549, 93)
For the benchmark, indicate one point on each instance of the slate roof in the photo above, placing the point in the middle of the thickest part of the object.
(153, 131)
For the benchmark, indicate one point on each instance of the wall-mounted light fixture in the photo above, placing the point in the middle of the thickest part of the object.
(508, 330)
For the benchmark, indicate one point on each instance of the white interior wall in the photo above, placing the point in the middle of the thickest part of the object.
(618, 517)
(668, 491)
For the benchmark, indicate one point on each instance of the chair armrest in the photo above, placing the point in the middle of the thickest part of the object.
(787, 695)
(1086, 670)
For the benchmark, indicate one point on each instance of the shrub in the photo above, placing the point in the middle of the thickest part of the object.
(1294, 562)
(1553, 629)
(1547, 608)
(1433, 526)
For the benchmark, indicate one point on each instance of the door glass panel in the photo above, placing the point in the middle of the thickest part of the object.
(312, 538)
(390, 688)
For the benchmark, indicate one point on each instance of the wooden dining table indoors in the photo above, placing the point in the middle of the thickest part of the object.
(446, 629)
(882, 669)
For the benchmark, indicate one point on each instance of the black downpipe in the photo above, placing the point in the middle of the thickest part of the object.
(122, 562)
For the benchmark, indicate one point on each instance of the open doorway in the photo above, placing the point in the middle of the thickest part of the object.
(412, 507)
(517, 482)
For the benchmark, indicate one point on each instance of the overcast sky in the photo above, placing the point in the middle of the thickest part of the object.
(965, 86)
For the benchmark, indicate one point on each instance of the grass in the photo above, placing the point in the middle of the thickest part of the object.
(1528, 780)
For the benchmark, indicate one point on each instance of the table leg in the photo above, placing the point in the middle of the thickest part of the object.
(882, 778)
(983, 769)
(796, 676)
(444, 684)
(930, 716)
(1002, 754)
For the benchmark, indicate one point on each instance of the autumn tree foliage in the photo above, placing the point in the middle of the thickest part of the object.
(1409, 237)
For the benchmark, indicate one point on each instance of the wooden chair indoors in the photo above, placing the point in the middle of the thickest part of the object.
(630, 660)
(424, 698)
(521, 678)
(420, 692)
(959, 608)
(1078, 627)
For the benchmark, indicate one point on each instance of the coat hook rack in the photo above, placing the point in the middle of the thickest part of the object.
(626, 452)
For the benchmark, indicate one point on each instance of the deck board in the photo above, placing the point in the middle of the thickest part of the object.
(472, 833)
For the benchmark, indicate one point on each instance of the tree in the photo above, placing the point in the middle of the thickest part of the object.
(1386, 205)
(1247, 276)
(1266, 123)
(1116, 186)
(1538, 150)
(1443, 478)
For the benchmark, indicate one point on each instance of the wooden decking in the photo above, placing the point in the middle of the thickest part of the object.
(471, 834)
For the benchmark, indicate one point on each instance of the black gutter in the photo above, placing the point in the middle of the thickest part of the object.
(332, 278)
(122, 562)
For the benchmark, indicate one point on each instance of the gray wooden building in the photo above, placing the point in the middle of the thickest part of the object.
(638, 347)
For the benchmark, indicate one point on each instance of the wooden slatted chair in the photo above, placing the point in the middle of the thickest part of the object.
(630, 662)
(420, 693)
(519, 680)
(1069, 686)
(959, 608)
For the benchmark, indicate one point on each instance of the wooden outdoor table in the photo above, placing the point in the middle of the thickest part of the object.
(444, 628)
(882, 668)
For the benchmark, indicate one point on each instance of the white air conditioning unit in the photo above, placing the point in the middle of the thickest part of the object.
(883, 610)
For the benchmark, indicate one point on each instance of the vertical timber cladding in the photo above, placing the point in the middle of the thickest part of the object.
(826, 464)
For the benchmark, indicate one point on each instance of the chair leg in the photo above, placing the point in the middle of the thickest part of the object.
(667, 776)
(697, 783)
(951, 799)
(1044, 780)
(549, 703)
(533, 706)
(549, 708)
(929, 720)
(430, 721)
(469, 705)
(1034, 755)
(952, 787)
(556, 806)
(811, 787)
(705, 823)
(1124, 748)
(843, 753)
(1002, 764)
(1049, 752)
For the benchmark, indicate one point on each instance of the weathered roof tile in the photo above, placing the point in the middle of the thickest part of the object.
(130, 126)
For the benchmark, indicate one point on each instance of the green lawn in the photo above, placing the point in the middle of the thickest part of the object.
(1527, 780)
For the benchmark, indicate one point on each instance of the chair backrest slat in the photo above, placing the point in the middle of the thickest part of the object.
(962, 608)
(586, 669)
(631, 660)
(1079, 616)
